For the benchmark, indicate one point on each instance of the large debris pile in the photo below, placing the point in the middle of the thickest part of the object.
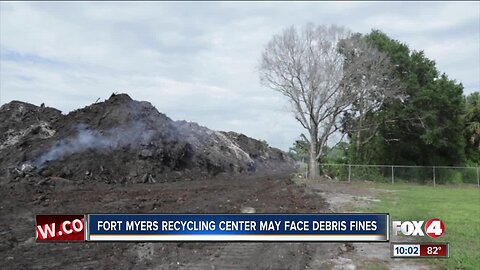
(122, 140)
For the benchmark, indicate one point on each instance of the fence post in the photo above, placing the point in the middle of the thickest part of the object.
(392, 176)
(433, 176)
(349, 173)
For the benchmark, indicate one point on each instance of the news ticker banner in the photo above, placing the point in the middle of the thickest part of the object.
(214, 227)
(419, 250)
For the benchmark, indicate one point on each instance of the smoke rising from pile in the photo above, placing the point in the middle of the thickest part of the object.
(89, 139)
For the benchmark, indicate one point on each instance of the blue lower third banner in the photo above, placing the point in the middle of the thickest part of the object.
(237, 227)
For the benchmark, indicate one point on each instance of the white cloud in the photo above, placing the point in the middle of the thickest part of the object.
(197, 61)
(425, 18)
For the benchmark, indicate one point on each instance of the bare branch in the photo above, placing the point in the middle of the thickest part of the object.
(325, 71)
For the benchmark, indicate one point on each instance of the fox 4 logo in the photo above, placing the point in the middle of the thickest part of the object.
(433, 228)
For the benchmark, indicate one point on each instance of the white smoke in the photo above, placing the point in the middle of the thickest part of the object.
(87, 139)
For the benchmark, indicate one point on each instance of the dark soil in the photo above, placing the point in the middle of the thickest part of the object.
(123, 156)
(273, 193)
(122, 140)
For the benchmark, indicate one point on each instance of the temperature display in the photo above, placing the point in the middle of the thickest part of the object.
(434, 250)
(439, 250)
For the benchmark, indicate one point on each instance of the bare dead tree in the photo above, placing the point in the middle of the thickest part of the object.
(372, 82)
(309, 67)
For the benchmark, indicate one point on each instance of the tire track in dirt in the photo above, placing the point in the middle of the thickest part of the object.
(268, 256)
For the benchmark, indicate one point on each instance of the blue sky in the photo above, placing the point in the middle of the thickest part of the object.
(197, 61)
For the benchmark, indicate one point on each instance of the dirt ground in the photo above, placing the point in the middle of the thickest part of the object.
(266, 194)
(21, 201)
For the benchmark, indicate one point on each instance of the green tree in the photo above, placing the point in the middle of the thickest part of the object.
(337, 154)
(299, 151)
(422, 126)
(472, 128)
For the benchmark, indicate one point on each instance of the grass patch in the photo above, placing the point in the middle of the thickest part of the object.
(457, 206)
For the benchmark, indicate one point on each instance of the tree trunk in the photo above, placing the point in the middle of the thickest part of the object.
(358, 157)
(357, 147)
(314, 170)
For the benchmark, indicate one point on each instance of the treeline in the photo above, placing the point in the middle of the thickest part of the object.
(430, 122)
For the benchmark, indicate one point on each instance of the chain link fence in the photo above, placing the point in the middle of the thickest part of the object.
(432, 175)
